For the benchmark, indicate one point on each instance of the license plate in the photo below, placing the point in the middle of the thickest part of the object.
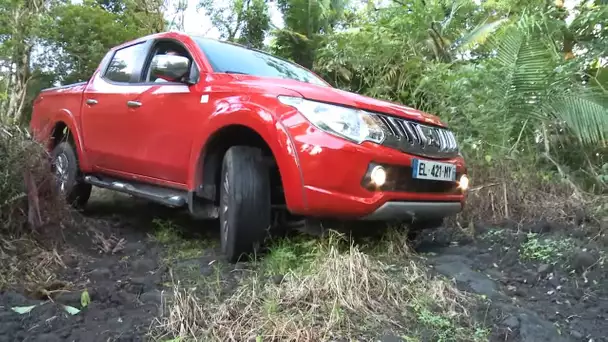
(426, 169)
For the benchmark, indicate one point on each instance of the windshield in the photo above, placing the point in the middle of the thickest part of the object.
(229, 58)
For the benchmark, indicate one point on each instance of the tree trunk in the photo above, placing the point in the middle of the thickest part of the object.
(21, 78)
(23, 24)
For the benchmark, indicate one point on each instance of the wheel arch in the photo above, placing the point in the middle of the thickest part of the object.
(59, 133)
(271, 139)
(63, 127)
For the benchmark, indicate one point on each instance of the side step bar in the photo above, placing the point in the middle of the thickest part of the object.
(169, 197)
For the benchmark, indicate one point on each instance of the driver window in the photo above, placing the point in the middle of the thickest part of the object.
(170, 63)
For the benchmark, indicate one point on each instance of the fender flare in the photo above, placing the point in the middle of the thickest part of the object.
(66, 117)
(272, 131)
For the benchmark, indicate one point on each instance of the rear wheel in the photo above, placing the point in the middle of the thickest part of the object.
(69, 179)
(245, 212)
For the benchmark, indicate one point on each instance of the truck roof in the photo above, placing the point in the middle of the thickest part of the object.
(174, 35)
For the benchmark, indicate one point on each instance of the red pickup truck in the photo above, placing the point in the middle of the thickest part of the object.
(237, 134)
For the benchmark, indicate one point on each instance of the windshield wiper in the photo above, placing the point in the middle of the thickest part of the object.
(235, 72)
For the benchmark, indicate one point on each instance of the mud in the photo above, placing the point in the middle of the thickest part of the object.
(125, 287)
(562, 297)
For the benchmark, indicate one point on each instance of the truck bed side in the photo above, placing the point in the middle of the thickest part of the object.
(57, 105)
(56, 109)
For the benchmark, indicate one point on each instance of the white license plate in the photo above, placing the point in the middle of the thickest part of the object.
(426, 169)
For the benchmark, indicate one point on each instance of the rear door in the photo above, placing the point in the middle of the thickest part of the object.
(107, 125)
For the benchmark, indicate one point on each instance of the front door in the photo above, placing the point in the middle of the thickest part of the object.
(167, 112)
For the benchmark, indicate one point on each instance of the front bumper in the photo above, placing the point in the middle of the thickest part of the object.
(408, 210)
(333, 171)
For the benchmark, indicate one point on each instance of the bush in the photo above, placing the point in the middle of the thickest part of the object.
(27, 197)
(511, 190)
(30, 213)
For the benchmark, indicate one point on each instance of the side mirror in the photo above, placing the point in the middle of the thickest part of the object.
(172, 67)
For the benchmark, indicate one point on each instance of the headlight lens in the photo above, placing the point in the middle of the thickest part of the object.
(355, 125)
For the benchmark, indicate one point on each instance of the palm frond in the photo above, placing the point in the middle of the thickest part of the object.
(479, 34)
(526, 62)
(585, 116)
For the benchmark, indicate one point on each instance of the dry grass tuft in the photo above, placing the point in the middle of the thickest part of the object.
(505, 191)
(339, 292)
(26, 263)
(107, 245)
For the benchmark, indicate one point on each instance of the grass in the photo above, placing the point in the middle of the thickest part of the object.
(547, 250)
(179, 247)
(328, 289)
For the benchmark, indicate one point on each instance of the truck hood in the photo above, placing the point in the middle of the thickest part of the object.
(332, 95)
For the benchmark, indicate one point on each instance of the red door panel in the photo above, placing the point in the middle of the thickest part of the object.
(168, 119)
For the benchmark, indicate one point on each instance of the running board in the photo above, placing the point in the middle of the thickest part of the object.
(169, 197)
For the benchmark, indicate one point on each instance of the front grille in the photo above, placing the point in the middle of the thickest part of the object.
(416, 138)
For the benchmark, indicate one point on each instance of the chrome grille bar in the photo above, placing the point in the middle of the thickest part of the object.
(398, 127)
(385, 120)
(419, 139)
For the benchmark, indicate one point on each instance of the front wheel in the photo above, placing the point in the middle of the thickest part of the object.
(245, 212)
(68, 177)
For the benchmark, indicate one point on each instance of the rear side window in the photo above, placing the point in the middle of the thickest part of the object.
(123, 63)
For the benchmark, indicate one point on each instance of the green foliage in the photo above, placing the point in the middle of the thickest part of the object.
(169, 234)
(545, 249)
(498, 78)
(80, 45)
(306, 21)
(288, 256)
(242, 21)
(43, 42)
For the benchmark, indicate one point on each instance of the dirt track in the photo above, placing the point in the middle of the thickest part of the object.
(561, 298)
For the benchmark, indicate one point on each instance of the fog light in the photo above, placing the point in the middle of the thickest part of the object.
(463, 183)
(378, 176)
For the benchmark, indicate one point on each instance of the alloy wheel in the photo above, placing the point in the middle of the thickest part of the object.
(61, 171)
(224, 207)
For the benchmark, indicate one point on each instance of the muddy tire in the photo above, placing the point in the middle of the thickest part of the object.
(244, 211)
(66, 169)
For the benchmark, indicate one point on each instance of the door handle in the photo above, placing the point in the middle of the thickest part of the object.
(133, 104)
(91, 101)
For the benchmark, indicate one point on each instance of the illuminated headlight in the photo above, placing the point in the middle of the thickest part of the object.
(463, 183)
(352, 124)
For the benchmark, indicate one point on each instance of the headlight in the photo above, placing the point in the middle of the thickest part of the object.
(352, 124)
